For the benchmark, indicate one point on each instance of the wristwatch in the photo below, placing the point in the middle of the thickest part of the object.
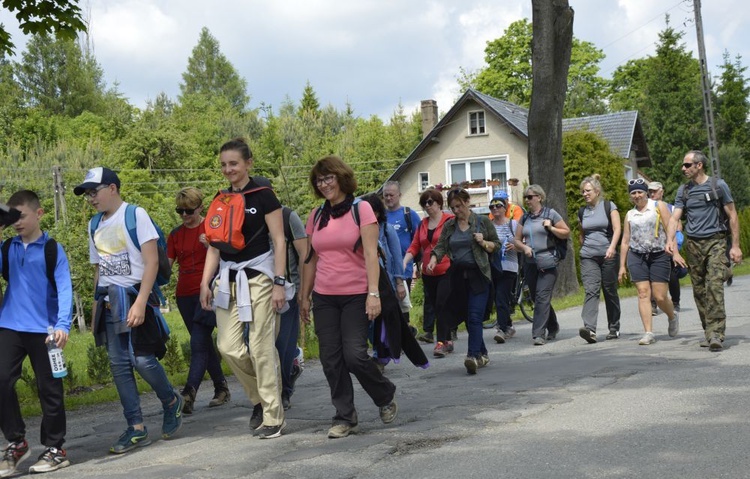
(279, 280)
(377, 295)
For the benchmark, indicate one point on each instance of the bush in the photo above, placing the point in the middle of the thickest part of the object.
(172, 360)
(98, 365)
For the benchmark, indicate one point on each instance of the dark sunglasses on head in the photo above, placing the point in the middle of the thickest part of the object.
(185, 211)
(637, 181)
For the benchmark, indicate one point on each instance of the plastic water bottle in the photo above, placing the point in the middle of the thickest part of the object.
(56, 358)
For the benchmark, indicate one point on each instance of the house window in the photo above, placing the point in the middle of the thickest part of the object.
(478, 171)
(476, 123)
(424, 180)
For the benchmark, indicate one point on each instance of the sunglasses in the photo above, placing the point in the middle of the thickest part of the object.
(529, 197)
(185, 211)
(637, 181)
(687, 165)
(496, 206)
(428, 203)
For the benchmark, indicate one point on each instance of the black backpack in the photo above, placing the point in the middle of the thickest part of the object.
(50, 260)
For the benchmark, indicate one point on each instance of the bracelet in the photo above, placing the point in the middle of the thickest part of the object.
(377, 295)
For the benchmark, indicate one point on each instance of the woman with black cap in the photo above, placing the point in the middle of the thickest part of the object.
(643, 251)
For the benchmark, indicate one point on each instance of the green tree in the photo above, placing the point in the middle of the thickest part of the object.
(508, 74)
(60, 77)
(733, 105)
(309, 103)
(666, 91)
(11, 99)
(42, 17)
(210, 73)
(735, 172)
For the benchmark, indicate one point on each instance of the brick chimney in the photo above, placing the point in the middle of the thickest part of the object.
(429, 116)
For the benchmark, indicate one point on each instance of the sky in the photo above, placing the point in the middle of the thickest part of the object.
(372, 54)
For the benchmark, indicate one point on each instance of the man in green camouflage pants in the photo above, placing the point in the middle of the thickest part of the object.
(710, 215)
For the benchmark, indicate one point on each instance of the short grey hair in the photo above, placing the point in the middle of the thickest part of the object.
(392, 183)
(537, 190)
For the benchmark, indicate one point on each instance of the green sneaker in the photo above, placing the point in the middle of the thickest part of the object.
(130, 439)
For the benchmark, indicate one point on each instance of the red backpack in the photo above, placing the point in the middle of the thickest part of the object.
(225, 218)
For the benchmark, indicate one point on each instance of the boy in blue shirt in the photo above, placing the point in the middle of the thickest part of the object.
(24, 318)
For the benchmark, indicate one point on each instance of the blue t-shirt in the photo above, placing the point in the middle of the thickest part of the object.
(398, 220)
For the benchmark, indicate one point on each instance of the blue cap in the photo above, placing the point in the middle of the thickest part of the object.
(501, 195)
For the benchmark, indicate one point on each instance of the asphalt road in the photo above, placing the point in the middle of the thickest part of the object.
(565, 410)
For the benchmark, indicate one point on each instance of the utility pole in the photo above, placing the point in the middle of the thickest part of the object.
(707, 109)
(59, 189)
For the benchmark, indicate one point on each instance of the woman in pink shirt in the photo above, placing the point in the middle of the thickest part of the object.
(341, 280)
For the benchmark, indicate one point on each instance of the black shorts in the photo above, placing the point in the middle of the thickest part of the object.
(654, 267)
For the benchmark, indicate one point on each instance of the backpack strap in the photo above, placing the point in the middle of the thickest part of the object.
(131, 224)
(50, 260)
(407, 220)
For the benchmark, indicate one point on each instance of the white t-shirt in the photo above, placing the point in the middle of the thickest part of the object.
(120, 261)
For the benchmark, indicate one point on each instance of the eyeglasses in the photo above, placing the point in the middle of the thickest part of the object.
(428, 203)
(687, 165)
(325, 180)
(529, 197)
(185, 211)
(91, 194)
(637, 181)
(496, 206)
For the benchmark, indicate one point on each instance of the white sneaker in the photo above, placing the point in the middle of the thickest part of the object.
(674, 326)
(647, 339)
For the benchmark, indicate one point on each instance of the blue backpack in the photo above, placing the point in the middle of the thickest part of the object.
(165, 269)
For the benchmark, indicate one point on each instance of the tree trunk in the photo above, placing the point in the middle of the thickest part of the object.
(552, 23)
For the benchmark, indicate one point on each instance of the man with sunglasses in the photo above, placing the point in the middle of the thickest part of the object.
(705, 201)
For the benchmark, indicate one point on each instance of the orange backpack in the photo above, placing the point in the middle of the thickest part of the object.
(225, 218)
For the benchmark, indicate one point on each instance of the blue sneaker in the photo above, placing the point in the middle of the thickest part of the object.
(172, 418)
(130, 439)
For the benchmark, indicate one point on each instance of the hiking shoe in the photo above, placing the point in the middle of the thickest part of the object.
(172, 418)
(51, 459)
(500, 336)
(552, 334)
(14, 454)
(222, 394)
(483, 360)
(588, 335)
(676, 306)
(448, 346)
(188, 398)
(471, 364)
(704, 344)
(674, 326)
(271, 432)
(715, 344)
(389, 412)
(426, 337)
(510, 332)
(539, 341)
(439, 351)
(286, 402)
(647, 339)
(338, 431)
(256, 420)
(130, 439)
(613, 335)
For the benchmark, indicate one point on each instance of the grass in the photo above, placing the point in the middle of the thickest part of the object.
(81, 392)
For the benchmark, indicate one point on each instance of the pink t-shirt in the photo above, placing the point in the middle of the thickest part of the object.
(340, 271)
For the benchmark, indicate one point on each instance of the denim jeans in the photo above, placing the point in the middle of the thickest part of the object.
(122, 361)
(286, 344)
(203, 355)
(503, 282)
(477, 306)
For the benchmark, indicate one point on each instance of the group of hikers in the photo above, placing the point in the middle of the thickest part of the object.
(249, 268)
